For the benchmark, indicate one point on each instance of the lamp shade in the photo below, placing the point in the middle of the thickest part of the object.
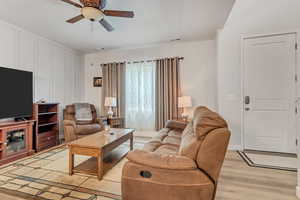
(110, 102)
(184, 102)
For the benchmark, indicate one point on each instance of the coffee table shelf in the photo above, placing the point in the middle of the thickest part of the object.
(105, 149)
(90, 166)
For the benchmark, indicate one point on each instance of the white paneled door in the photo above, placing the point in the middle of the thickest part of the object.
(269, 90)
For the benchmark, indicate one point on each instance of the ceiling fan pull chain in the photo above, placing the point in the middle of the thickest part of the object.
(92, 27)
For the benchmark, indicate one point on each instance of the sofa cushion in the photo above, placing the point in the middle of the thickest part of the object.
(172, 140)
(161, 160)
(84, 122)
(214, 146)
(69, 113)
(167, 149)
(175, 133)
(151, 146)
(164, 131)
(177, 125)
(87, 129)
(205, 121)
(189, 143)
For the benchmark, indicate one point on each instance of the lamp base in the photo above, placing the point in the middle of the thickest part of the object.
(110, 113)
(185, 117)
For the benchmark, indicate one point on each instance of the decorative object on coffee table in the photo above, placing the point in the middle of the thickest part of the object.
(110, 102)
(46, 132)
(184, 102)
(103, 147)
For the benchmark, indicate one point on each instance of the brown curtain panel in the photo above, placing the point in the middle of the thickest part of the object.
(167, 91)
(114, 86)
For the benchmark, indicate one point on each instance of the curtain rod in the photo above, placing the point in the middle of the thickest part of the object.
(141, 61)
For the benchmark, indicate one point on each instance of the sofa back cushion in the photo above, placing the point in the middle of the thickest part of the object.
(83, 112)
(70, 112)
(189, 142)
(205, 120)
(207, 132)
(212, 152)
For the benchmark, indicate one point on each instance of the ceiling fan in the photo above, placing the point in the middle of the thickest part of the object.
(93, 10)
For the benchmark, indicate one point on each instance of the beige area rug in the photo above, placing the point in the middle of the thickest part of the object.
(279, 161)
(45, 176)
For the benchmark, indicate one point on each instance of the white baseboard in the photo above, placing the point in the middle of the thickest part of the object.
(298, 192)
(235, 147)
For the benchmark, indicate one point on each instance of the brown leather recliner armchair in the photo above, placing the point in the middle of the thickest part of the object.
(182, 162)
(74, 129)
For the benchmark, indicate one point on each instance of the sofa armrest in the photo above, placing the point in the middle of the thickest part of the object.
(69, 123)
(69, 130)
(172, 124)
(100, 122)
(155, 160)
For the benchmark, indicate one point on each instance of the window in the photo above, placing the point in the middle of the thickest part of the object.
(140, 96)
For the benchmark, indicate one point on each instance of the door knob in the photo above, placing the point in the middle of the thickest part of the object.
(247, 100)
(247, 109)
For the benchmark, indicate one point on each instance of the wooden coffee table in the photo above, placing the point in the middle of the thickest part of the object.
(104, 149)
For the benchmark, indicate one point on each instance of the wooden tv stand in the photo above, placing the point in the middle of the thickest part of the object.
(15, 140)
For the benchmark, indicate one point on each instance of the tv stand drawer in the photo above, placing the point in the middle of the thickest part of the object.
(47, 137)
(46, 134)
(46, 145)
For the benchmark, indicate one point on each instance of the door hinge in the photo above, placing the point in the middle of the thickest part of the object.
(296, 78)
(296, 142)
(296, 110)
(296, 46)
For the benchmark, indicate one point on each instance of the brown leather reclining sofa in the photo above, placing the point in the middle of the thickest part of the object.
(182, 162)
(74, 129)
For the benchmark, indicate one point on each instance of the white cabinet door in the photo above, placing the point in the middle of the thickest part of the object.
(269, 93)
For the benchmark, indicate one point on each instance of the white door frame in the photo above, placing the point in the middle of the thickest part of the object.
(297, 70)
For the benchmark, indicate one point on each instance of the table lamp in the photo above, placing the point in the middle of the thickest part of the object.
(184, 102)
(110, 102)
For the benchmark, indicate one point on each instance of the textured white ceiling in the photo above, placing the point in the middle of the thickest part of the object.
(155, 21)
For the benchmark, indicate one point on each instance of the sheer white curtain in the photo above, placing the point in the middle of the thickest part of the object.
(140, 96)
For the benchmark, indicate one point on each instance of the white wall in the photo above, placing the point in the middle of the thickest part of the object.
(197, 71)
(247, 17)
(57, 69)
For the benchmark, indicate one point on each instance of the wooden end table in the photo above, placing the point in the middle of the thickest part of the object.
(100, 147)
(114, 122)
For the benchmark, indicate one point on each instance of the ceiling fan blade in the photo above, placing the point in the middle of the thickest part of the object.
(106, 25)
(72, 3)
(119, 13)
(75, 19)
(102, 4)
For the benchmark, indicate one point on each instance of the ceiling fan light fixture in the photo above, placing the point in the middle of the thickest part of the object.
(92, 13)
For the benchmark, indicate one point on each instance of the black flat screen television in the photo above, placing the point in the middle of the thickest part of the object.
(16, 93)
